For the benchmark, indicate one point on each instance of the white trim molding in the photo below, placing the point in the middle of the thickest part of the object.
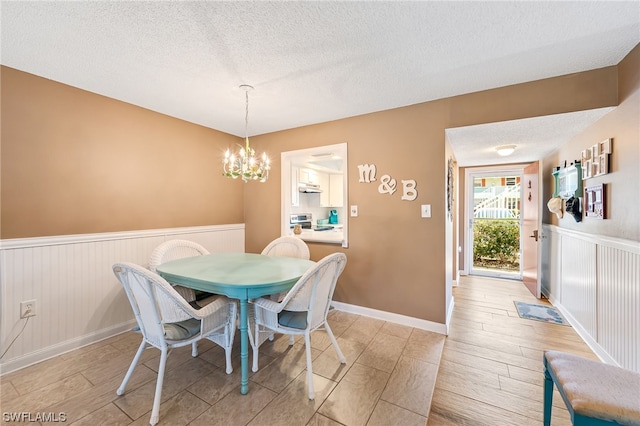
(79, 300)
(391, 317)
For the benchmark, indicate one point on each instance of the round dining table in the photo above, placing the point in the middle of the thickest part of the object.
(241, 276)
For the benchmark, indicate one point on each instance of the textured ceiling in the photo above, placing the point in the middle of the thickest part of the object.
(309, 62)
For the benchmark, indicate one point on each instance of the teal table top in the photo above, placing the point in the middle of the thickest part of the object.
(237, 275)
(241, 276)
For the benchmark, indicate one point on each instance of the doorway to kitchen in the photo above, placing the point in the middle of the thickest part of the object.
(494, 232)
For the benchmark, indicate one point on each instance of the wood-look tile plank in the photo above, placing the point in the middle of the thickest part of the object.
(179, 410)
(386, 414)
(459, 409)
(411, 385)
(293, 406)
(235, 408)
(467, 359)
(284, 369)
(383, 352)
(493, 354)
(107, 415)
(397, 330)
(320, 420)
(328, 365)
(462, 375)
(53, 370)
(355, 397)
(86, 402)
(38, 399)
(425, 346)
(214, 386)
(140, 400)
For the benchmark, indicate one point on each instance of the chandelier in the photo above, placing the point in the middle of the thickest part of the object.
(244, 164)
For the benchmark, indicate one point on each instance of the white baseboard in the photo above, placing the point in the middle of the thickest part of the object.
(63, 347)
(391, 317)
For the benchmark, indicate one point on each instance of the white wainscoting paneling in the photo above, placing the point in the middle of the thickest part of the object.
(619, 305)
(578, 278)
(78, 299)
(597, 287)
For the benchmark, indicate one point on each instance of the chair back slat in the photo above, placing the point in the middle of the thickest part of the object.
(287, 246)
(173, 250)
(314, 290)
(153, 300)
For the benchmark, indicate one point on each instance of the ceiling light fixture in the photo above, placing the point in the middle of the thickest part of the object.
(245, 164)
(505, 150)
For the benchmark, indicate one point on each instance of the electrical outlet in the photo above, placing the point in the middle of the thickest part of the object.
(354, 211)
(28, 308)
(426, 210)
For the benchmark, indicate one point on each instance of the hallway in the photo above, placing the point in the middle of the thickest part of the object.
(491, 367)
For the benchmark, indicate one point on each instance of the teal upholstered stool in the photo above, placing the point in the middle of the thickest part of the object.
(595, 393)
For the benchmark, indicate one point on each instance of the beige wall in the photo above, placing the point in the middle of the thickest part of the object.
(397, 261)
(75, 162)
(623, 181)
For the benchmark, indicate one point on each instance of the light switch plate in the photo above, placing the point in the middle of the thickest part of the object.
(354, 211)
(426, 210)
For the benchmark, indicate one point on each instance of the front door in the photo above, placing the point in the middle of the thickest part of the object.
(531, 227)
(494, 221)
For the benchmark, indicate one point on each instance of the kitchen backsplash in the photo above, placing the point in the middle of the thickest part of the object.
(310, 203)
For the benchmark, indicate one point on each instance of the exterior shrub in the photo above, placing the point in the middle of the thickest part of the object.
(496, 240)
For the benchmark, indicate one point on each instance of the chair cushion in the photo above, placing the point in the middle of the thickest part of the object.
(597, 390)
(181, 330)
(293, 319)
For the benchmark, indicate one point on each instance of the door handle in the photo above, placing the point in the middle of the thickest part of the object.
(535, 235)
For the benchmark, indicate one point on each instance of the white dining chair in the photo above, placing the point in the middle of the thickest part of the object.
(179, 249)
(287, 246)
(303, 310)
(167, 321)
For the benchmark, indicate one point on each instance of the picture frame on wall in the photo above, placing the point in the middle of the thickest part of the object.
(595, 159)
(603, 163)
(595, 202)
(586, 170)
(605, 146)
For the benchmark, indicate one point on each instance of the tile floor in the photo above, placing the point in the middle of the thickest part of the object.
(389, 378)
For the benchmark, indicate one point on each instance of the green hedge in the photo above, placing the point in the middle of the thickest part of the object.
(496, 239)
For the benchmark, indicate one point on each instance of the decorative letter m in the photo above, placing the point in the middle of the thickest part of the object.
(367, 173)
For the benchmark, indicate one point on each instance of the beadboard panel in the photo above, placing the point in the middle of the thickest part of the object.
(597, 287)
(578, 278)
(78, 299)
(550, 268)
(619, 305)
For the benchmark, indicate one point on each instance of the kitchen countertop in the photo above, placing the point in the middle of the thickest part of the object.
(334, 236)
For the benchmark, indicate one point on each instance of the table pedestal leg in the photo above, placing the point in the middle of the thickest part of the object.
(244, 348)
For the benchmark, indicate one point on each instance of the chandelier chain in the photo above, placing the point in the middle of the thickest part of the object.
(246, 114)
(244, 164)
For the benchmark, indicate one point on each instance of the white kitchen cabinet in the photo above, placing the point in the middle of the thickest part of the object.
(332, 190)
(336, 191)
(295, 194)
(323, 179)
(309, 176)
